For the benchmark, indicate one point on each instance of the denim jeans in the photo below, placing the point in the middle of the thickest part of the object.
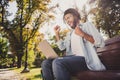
(63, 67)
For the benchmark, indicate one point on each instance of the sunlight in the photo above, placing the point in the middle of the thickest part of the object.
(58, 11)
(12, 9)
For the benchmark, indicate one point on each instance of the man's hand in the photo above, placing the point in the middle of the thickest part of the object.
(79, 31)
(57, 30)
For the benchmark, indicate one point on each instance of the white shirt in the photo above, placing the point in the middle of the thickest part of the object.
(75, 45)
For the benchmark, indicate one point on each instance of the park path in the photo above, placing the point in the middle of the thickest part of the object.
(6, 74)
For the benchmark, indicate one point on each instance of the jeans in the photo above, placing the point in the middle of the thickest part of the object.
(63, 67)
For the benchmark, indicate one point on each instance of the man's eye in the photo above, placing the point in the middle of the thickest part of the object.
(68, 17)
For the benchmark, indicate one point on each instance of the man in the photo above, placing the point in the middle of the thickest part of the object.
(80, 48)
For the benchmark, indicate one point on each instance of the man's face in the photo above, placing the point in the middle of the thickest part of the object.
(70, 20)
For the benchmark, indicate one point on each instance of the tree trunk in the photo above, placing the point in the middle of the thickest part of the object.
(109, 34)
(19, 60)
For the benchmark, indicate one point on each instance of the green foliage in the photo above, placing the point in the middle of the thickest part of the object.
(3, 47)
(108, 17)
(4, 58)
(3, 5)
(31, 58)
(29, 17)
(5, 62)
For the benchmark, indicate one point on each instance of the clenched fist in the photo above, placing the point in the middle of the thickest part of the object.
(57, 29)
(79, 31)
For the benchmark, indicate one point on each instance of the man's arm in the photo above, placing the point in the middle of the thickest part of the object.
(88, 37)
(57, 30)
(81, 33)
(60, 43)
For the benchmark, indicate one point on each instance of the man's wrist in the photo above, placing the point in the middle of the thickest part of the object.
(83, 34)
(57, 36)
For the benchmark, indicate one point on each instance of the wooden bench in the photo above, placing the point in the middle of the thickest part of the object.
(110, 56)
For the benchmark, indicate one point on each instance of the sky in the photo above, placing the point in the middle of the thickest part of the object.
(12, 9)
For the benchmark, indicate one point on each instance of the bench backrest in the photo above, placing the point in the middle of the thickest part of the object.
(110, 54)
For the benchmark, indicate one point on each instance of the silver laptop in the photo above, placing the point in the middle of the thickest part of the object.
(47, 50)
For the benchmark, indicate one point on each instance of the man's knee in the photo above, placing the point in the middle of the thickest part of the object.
(57, 62)
(46, 63)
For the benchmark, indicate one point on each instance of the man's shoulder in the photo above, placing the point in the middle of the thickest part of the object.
(87, 22)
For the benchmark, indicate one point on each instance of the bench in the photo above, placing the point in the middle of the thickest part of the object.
(110, 57)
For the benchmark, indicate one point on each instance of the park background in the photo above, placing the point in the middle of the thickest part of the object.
(25, 23)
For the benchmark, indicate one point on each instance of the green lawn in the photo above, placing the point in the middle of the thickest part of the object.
(34, 73)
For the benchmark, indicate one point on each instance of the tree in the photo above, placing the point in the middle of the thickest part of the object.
(30, 13)
(4, 61)
(107, 16)
(3, 47)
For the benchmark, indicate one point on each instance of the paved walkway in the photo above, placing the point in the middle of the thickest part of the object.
(6, 74)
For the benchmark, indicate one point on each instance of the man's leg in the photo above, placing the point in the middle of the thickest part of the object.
(47, 69)
(65, 66)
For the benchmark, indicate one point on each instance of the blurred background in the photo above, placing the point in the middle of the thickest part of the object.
(25, 23)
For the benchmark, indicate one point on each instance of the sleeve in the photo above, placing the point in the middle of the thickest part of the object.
(99, 41)
(61, 44)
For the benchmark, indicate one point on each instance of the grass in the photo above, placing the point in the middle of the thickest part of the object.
(34, 73)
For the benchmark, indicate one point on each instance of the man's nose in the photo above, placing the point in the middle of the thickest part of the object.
(68, 21)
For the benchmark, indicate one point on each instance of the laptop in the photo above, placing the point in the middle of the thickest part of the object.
(47, 50)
